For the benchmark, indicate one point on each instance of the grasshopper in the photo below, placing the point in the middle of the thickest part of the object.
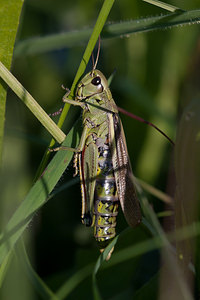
(102, 158)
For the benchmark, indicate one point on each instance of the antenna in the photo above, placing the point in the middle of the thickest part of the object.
(97, 58)
(92, 61)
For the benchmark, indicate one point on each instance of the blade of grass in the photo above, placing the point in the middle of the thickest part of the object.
(4, 267)
(65, 290)
(187, 168)
(102, 258)
(151, 23)
(169, 254)
(102, 17)
(9, 20)
(119, 29)
(31, 103)
(156, 242)
(121, 256)
(163, 5)
(155, 192)
(38, 195)
(153, 243)
(149, 289)
(37, 282)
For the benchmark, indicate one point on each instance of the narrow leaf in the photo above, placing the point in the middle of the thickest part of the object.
(163, 5)
(187, 167)
(36, 281)
(31, 103)
(119, 29)
(9, 20)
(37, 196)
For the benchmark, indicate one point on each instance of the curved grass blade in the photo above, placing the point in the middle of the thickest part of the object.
(37, 282)
(155, 192)
(149, 289)
(187, 168)
(30, 102)
(153, 243)
(123, 255)
(102, 17)
(102, 258)
(163, 5)
(119, 29)
(4, 267)
(74, 281)
(38, 195)
(9, 21)
(151, 23)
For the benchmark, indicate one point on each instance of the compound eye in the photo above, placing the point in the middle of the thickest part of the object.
(96, 80)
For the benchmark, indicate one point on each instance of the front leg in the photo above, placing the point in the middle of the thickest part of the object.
(80, 146)
(73, 102)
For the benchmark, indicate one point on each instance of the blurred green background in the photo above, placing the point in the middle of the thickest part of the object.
(153, 79)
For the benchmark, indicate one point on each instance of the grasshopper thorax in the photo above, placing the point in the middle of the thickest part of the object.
(92, 83)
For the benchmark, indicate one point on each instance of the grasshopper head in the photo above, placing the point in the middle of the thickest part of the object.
(92, 84)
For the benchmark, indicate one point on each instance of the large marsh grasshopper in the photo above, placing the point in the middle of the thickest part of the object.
(102, 157)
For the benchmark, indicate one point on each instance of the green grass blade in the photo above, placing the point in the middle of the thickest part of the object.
(152, 23)
(118, 29)
(31, 103)
(72, 283)
(163, 5)
(36, 281)
(155, 192)
(149, 289)
(121, 256)
(187, 168)
(102, 17)
(38, 195)
(9, 20)
(4, 267)
(156, 242)
(102, 258)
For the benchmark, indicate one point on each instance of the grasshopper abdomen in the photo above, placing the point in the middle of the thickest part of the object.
(106, 201)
